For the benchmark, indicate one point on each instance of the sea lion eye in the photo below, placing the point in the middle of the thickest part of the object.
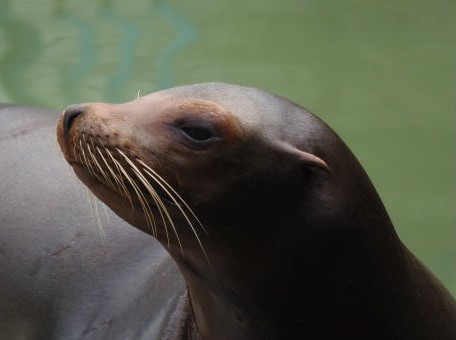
(198, 133)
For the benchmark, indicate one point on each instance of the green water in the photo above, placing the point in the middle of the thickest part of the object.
(381, 73)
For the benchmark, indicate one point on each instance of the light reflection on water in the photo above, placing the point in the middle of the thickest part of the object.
(57, 52)
(380, 72)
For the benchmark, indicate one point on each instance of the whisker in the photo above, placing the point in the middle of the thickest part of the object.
(124, 187)
(87, 163)
(99, 225)
(113, 174)
(156, 198)
(142, 200)
(161, 208)
(161, 181)
(171, 192)
(100, 168)
(94, 212)
(183, 214)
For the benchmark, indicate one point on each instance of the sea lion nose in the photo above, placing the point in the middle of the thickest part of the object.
(69, 115)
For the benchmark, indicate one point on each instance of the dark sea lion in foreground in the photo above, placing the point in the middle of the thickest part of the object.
(59, 279)
(272, 221)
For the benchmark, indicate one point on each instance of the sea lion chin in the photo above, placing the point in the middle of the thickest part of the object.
(272, 221)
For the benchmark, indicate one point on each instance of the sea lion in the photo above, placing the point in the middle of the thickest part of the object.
(272, 221)
(60, 279)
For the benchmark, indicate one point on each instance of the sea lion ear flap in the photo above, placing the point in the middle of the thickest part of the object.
(309, 162)
(306, 160)
(314, 163)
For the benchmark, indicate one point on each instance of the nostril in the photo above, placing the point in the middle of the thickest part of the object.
(69, 115)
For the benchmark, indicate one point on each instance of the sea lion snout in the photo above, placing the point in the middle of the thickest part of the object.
(69, 115)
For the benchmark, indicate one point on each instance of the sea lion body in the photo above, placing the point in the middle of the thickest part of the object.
(294, 241)
(60, 279)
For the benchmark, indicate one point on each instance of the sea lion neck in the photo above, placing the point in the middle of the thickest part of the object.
(255, 294)
(281, 275)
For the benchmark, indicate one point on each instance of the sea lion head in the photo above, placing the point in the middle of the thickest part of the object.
(204, 147)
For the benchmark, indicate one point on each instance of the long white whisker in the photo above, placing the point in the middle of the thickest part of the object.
(121, 182)
(161, 208)
(183, 214)
(93, 207)
(165, 186)
(142, 200)
(87, 163)
(100, 168)
(113, 174)
(154, 195)
(100, 226)
(155, 175)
